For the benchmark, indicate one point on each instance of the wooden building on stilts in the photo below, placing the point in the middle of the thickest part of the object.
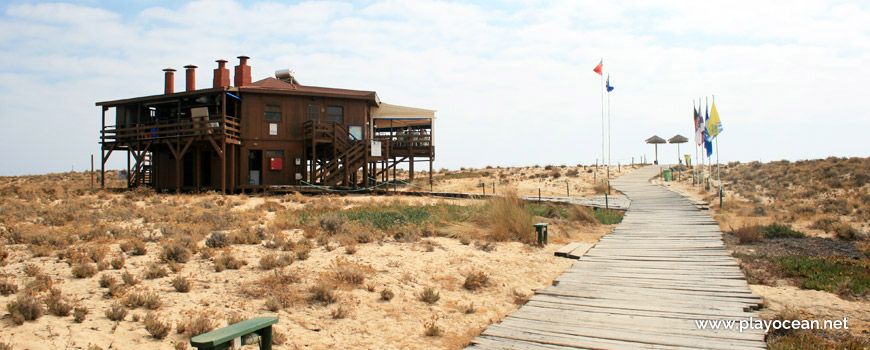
(255, 135)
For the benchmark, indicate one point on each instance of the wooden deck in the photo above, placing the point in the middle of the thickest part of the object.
(643, 286)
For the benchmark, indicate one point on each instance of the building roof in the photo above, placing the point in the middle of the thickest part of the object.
(269, 85)
(275, 85)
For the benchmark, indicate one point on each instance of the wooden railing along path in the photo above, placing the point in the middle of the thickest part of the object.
(646, 285)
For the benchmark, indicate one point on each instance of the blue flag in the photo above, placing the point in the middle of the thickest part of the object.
(609, 88)
(708, 141)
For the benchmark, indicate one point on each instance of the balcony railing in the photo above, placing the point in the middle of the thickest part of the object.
(213, 125)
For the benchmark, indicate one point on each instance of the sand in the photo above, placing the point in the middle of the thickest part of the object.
(515, 270)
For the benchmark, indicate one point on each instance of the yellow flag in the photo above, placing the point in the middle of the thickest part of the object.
(714, 125)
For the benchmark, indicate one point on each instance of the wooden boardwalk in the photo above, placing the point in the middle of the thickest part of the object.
(643, 286)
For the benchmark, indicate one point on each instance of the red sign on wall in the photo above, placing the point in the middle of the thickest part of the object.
(276, 163)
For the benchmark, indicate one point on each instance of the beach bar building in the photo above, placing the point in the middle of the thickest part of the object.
(252, 135)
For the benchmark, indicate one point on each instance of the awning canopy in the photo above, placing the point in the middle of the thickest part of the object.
(387, 115)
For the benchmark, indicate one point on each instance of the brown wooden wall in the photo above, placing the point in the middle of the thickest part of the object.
(290, 138)
(255, 137)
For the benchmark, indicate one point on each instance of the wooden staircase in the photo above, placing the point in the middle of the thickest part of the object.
(142, 174)
(337, 154)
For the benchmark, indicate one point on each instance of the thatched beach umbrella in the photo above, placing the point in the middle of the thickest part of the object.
(656, 140)
(678, 139)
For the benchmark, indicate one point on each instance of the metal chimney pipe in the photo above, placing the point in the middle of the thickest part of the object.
(221, 75)
(169, 81)
(243, 72)
(190, 77)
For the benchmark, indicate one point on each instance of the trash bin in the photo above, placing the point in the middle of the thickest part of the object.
(668, 175)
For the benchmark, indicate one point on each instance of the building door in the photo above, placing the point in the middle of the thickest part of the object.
(205, 168)
(255, 167)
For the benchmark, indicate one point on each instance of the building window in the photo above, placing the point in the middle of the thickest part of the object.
(313, 112)
(335, 114)
(273, 112)
(275, 154)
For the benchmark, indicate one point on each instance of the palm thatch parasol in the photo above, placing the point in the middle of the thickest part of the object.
(678, 139)
(656, 140)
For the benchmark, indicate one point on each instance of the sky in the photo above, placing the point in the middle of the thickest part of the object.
(512, 81)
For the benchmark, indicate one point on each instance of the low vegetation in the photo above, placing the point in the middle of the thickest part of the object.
(134, 245)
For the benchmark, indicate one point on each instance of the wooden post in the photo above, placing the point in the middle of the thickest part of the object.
(224, 165)
(223, 144)
(483, 186)
(103, 152)
(567, 189)
(129, 179)
(233, 168)
(92, 171)
(539, 195)
(606, 201)
(197, 171)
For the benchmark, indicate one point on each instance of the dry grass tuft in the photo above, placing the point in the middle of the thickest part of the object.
(158, 329)
(581, 214)
(228, 261)
(508, 220)
(84, 270)
(475, 280)
(25, 308)
(429, 296)
(200, 324)
(387, 295)
(155, 271)
(116, 312)
(7, 287)
(174, 252)
(271, 261)
(181, 284)
(748, 234)
(80, 314)
(322, 293)
(342, 272)
(339, 313)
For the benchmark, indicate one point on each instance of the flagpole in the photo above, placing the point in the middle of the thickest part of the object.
(718, 174)
(608, 130)
(709, 159)
(702, 180)
(602, 114)
(695, 141)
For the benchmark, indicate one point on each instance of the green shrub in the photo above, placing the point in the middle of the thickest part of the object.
(608, 217)
(840, 275)
(780, 231)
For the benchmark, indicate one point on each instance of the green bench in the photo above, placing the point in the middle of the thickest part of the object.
(242, 333)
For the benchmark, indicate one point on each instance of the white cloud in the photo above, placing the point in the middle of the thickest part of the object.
(512, 82)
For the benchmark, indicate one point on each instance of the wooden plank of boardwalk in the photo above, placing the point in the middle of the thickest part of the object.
(643, 286)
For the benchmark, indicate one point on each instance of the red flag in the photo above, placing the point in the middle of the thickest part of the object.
(598, 67)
